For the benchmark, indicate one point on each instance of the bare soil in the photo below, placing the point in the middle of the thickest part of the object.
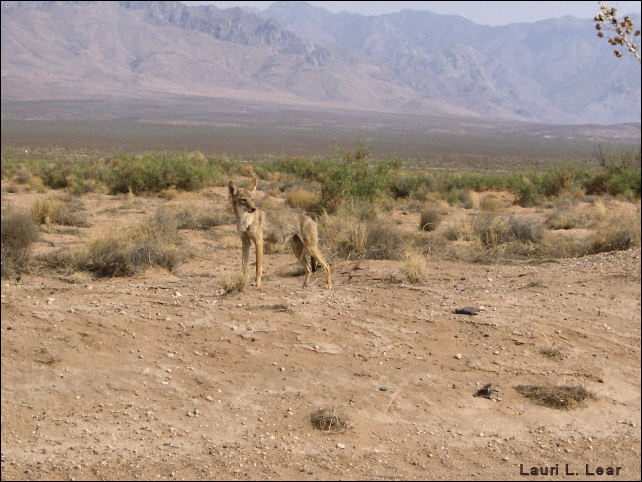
(160, 376)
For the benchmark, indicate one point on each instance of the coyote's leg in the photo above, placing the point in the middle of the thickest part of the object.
(258, 243)
(245, 250)
(299, 251)
(310, 241)
(316, 252)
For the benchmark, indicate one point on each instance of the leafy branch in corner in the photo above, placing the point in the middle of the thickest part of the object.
(622, 30)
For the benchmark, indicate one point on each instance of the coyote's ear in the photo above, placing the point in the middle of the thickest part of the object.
(252, 185)
(233, 189)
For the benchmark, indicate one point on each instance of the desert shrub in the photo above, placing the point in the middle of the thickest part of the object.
(330, 420)
(414, 267)
(616, 180)
(491, 204)
(356, 232)
(492, 230)
(191, 217)
(561, 219)
(23, 175)
(233, 283)
(471, 200)
(454, 196)
(303, 199)
(351, 176)
(526, 230)
(462, 231)
(345, 235)
(622, 232)
(125, 253)
(555, 396)
(63, 210)
(157, 172)
(18, 233)
(411, 184)
(430, 218)
(567, 217)
(554, 246)
(385, 241)
(526, 191)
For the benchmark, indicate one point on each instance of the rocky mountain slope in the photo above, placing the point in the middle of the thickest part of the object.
(295, 54)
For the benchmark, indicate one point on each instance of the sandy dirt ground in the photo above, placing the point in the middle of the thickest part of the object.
(160, 376)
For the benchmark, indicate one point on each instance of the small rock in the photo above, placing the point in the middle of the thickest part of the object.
(468, 310)
(458, 356)
(383, 388)
(341, 446)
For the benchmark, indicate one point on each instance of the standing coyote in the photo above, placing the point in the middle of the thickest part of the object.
(255, 226)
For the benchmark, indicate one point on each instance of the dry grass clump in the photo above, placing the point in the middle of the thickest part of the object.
(553, 245)
(330, 420)
(303, 199)
(488, 238)
(125, 253)
(526, 230)
(65, 210)
(491, 204)
(552, 352)
(620, 233)
(492, 230)
(385, 241)
(461, 232)
(188, 216)
(233, 283)
(18, 233)
(471, 200)
(555, 396)
(414, 269)
(359, 232)
(345, 235)
(430, 218)
(572, 217)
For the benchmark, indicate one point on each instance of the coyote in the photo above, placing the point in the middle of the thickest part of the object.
(255, 226)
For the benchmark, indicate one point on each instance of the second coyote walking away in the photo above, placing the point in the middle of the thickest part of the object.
(254, 226)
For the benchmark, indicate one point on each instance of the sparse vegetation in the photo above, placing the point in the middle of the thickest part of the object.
(18, 233)
(555, 396)
(63, 210)
(414, 268)
(330, 420)
(304, 199)
(430, 218)
(352, 194)
(153, 243)
(233, 283)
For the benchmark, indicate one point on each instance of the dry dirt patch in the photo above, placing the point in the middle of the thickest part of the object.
(159, 376)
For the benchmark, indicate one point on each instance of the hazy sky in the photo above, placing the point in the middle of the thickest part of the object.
(486, 13)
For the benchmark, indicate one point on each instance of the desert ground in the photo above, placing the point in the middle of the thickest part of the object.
(162, 376)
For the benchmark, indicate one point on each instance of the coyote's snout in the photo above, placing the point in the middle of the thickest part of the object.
(255, 226)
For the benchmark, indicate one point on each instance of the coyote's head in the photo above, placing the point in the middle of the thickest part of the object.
(244, 197)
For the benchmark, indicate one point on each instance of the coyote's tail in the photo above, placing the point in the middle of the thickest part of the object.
(314, 264)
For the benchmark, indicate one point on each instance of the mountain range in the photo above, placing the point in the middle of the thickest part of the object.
(293, 54)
